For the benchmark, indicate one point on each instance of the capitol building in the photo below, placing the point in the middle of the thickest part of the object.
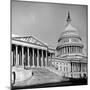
(70, 59)
(67, 60)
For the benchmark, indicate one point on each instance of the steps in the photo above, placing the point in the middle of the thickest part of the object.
(41, 76)
(45, 76)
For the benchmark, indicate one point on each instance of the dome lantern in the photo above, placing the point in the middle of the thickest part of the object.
(68, 18)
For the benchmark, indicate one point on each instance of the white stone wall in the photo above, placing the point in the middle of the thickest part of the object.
(21, 73)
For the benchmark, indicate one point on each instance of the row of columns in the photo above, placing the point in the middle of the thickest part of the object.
(75, 67)
(28, 56)
(70, 49)
(78, 67)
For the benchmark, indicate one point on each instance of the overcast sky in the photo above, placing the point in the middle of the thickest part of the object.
(46, 21)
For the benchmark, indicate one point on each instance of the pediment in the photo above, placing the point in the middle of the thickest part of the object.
(30, 39)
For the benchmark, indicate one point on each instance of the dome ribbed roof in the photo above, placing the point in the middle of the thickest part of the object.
(70, 27)
(69, 30)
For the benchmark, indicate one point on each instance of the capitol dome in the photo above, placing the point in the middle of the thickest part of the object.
(69, 30)
(69, 40)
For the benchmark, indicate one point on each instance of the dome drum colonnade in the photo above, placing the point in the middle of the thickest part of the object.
(69, 49)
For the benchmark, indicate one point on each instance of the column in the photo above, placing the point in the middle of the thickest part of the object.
(42, 58)
(77, 49)
(80, 50)
(12, 59)
(64, 50)
(61, 51)
(18, 59)
(30, 58)
(71, 70)
(28, 55)
(51, 55)
(33, 57)
(46, 59)
(37, 57)
(22, 56)
(16, 55)
(73, 49)
(80, 67)
(69, 49)
(80, 70)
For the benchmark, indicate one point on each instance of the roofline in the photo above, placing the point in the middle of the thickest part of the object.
(29, 42)
(51, 49)
(69, 37)
(69, 59)
(32, 37)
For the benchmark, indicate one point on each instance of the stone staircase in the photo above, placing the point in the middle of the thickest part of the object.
(41, 76)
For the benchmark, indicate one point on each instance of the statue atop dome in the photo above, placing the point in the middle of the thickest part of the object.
(69, 26)
(69, 18)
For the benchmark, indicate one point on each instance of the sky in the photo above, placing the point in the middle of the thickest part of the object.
(47, 21)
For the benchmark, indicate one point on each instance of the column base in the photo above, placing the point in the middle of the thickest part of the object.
(18, 67)
(38, 66)
(33, 66)
(42, 66)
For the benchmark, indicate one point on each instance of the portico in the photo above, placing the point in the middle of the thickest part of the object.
(28, 54)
